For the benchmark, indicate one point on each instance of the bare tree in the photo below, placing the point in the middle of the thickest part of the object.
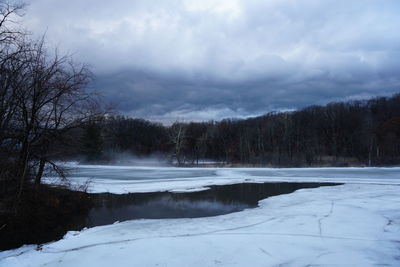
(51, 101)
(43, 96)
(178, 139)
(10, 31)
(12, 45)
(10, 48)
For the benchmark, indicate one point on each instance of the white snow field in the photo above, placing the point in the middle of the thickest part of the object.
(355, 224)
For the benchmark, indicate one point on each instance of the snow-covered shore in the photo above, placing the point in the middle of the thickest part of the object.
(355, 224)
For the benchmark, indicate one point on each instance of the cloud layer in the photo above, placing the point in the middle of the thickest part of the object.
(211, 59)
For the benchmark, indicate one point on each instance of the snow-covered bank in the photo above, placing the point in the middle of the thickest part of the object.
(348, 225)
(127, 179)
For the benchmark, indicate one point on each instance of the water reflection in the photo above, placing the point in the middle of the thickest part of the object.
(108, 208)
(218, 200)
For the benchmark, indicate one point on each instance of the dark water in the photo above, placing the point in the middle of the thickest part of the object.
(217, 200)
(108, 208)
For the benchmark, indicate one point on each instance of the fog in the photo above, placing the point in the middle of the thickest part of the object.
(130, 159)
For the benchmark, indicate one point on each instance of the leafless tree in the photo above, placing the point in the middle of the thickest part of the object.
(11, 47)
(43, 96)
(9, 14)
(177, 136)
(51, 101)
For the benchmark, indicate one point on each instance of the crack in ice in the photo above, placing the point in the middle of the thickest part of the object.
(324, 217)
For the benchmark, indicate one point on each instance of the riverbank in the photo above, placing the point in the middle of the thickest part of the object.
(44, 213)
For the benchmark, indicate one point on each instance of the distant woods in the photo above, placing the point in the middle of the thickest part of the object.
(356, 133)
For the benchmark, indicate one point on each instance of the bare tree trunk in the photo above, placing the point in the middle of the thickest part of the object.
(370, 152)
(39, 174)
(21, 173)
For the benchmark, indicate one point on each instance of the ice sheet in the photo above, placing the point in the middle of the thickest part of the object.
(125, 179)
(347, 225)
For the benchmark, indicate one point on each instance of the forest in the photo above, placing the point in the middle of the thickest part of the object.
(353, 133)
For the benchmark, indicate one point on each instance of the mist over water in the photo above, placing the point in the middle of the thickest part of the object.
(125, 158)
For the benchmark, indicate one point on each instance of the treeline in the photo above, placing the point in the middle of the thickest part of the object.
(339, 134)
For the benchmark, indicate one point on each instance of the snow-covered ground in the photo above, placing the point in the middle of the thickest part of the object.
(355, 224)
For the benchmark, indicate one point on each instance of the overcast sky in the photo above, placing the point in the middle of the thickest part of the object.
(211, 59)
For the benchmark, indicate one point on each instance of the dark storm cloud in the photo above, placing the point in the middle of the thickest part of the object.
(211, 59)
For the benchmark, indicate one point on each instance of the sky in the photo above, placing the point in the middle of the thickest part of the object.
(212, 59)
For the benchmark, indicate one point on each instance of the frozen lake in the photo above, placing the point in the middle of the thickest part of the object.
(129, 179)
(354, 224)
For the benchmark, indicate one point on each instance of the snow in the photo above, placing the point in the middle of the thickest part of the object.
(355, 224)
(348, 225)
(130, 179)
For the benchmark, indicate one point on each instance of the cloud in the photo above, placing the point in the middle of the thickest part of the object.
(217, 58)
